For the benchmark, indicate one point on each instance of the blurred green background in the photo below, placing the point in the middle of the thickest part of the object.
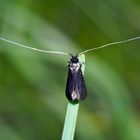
(32, 84)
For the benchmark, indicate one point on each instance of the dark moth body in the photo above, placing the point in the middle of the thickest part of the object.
(75, 87)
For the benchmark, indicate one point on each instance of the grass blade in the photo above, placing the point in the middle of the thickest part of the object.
(71, 114)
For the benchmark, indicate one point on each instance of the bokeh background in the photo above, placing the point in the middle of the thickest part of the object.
(32, 84)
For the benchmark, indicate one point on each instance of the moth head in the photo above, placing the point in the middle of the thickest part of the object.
(74, 59)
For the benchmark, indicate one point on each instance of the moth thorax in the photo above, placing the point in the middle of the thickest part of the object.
(75, 66)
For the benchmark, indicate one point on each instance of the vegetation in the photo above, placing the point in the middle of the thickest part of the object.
(32, 84)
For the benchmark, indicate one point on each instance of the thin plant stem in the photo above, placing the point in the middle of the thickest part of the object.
(72, 112)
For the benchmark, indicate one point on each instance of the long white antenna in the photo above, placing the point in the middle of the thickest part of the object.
(64, 53)
(110, 44)
(31, 48)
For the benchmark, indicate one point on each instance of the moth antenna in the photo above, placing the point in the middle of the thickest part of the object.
(110, 44)
(32, 48)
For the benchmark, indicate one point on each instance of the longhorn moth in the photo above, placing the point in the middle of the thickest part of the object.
(75, 86)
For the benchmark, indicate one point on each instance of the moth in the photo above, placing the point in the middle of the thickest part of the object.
(76, 90)
(75, 86)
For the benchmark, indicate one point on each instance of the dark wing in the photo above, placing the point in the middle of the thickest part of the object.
(81, 86)
(75, 87)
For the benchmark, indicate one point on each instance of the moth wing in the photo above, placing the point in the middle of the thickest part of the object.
(70, 85)
(81, 86)
(75, 87)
